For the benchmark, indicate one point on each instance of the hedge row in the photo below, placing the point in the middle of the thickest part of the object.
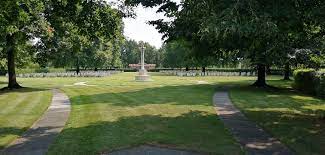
(40, 70)
(309, 81)
(321, 87)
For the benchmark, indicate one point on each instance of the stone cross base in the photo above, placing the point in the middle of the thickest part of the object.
(143, 76)
(143, 72)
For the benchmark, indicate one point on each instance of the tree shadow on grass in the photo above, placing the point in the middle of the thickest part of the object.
(281, 98)
(178, 95)
(287, 110)
(195, 130)
(33, 141)
(5, 131)
(302, 133)
(294, 118)
(22, 90)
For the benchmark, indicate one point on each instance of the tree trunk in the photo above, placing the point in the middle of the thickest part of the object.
(268, 70)
(11, 51)
(203, 69)
(187, 69)
(260, 82)
(78, 67)
(287, 71)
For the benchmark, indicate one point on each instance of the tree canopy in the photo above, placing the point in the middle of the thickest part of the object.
(258, 30)
(59, 27)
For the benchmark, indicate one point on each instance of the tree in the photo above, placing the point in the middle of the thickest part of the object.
(74, 24)
(86, 25)
(84, 32)
(177, 54)
(20, 21)
(254, 28)
(151, 54)
(130, 53)
(305, 58)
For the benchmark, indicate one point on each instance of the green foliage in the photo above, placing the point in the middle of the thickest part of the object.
(309, 59)
(261, 31)
(3, 66)
(130, 53)
(320, 89)
(310, 81)
(22, 19)
(305, 80)
(152, 54)
(87, 34)
(176, 54)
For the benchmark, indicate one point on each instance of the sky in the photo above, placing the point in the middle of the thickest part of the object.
(138, 29)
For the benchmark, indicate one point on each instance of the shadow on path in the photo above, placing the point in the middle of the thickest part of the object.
(38, 138)
(292, 117)
(32, 142)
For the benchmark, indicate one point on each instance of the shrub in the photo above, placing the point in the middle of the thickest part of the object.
(320, 89)
(305, 80)
(310, 81)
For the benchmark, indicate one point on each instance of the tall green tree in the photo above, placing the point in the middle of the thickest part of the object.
(20, 21)
(255, 28)
(81, 31)
(130, 53)
(177, 54)
(94, 23)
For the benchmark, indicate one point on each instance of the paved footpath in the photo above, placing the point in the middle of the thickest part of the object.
(253, 138)
(38, 138)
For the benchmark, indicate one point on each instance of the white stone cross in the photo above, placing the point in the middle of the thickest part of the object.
(142, 56)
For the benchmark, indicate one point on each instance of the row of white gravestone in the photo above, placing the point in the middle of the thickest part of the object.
(69, 74)
(208, 73)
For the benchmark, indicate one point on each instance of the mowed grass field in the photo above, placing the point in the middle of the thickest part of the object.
(19, 110)
(116, 112)
(295, 119)
(121, 113)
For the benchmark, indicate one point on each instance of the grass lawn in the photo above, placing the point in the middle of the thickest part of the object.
(121, 113)
(177, 111)
(296, 119)
(19, 110)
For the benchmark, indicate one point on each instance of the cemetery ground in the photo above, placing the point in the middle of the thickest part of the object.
(115, 112)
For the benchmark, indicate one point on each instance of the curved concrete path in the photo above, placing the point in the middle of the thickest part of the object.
(38, 138)
(253, 138)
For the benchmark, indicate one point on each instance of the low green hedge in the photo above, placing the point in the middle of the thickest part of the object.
(309, 81)
(40, 70)
(320, 89)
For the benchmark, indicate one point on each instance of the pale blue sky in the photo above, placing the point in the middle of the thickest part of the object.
(138, 29)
